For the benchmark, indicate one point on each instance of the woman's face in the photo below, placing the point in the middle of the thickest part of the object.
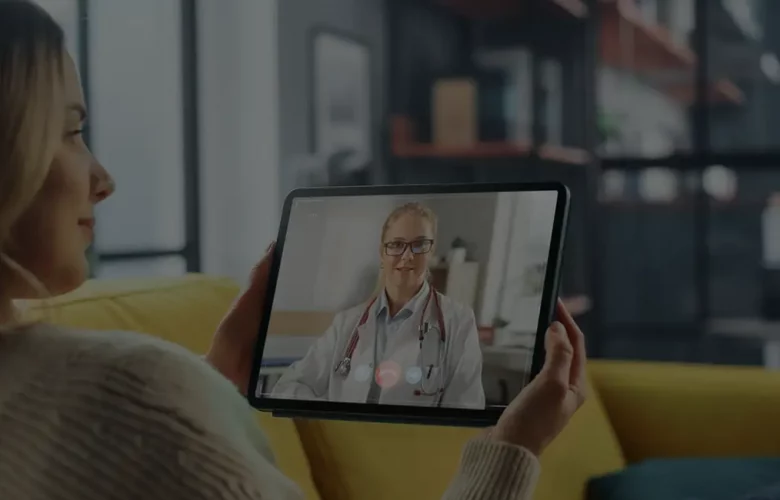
(406, 250)
(51, 238)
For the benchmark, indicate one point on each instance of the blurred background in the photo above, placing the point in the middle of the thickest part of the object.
(658, 114)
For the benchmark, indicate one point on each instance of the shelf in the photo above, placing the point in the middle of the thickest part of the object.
(405, 146)
(487, 150)
(679, 204)
(576, 8)
(722, 91)
(629, 42)
(482, 9)
(654, 48)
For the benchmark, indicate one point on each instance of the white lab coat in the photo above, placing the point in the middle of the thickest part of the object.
(314, 377)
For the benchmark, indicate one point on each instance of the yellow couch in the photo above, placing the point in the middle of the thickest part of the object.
(636, 410)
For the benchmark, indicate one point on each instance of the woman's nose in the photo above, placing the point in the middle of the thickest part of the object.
(103, 184)
(104, 189)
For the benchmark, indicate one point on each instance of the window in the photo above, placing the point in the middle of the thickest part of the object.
(137, 89)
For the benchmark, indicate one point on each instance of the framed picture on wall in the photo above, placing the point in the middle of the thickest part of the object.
(341, 99)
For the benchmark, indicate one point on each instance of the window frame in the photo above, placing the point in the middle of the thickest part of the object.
(191, 251)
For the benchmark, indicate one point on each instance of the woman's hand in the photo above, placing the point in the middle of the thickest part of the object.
(543, 408)
(233, 345)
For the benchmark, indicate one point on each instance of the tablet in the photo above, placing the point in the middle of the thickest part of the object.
(418, 304)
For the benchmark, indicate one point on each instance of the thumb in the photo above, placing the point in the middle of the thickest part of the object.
(258, 276)
(262, 268)
(250, 300)
(560, 353)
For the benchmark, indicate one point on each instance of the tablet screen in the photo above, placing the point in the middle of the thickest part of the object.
(426, 300)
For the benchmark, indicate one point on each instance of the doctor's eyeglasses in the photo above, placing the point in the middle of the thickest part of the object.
(397, 248)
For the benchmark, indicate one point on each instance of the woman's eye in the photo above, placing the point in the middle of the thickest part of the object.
(74, 135)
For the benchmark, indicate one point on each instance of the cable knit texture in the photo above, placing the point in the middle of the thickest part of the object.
(121, 416)
(494, 471)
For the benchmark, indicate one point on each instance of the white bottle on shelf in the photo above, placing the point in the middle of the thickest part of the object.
(770, 230)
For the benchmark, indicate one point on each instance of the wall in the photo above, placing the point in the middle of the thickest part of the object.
(468, 217)
(363, 19)
(331, 254)
(521, 235)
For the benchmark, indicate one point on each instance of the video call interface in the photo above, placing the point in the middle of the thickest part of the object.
(425, 300)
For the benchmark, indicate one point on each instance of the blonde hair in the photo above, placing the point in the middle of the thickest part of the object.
(412, 208)
(32, 113)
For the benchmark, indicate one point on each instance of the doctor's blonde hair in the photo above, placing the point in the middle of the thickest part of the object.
(412, 208)
(32, 113)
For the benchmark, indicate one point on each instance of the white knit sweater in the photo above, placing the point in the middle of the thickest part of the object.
(116, 415)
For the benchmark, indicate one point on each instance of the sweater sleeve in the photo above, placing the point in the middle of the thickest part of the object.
(491, 470)
(186, 433)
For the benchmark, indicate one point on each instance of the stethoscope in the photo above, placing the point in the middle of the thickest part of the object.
(345, 365)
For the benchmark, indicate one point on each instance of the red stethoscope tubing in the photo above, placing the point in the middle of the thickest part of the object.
(353, 340)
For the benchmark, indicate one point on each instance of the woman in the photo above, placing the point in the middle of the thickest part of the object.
(407, 345)
(88, 415)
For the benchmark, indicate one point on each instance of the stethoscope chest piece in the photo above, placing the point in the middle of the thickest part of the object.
(344, 367)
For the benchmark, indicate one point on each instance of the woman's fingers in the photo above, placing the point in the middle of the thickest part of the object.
(578, 374)
(247, 309)
(559, 355)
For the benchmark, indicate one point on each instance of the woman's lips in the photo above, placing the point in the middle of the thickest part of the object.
(88, 226)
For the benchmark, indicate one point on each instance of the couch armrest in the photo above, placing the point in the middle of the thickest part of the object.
(671, 410)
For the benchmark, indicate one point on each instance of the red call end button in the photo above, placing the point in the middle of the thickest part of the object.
(388, 374)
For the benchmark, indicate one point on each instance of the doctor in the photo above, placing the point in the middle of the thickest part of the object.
(407, 345)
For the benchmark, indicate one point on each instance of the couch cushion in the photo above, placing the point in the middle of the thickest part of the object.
(669, 410)
(349, 459)
(183, 310)
(690, 479)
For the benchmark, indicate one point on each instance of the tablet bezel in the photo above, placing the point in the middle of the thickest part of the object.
(398, 413)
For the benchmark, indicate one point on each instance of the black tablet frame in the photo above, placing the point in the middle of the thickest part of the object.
(398, 413)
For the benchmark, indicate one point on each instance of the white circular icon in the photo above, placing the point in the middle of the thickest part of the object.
(414, 375)
(363, 373)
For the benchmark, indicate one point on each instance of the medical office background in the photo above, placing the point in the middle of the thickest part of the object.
(661, 115)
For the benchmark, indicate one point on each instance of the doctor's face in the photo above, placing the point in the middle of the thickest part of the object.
(406, 249)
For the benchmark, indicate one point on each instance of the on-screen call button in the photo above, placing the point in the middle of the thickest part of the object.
(363, 373)
(413, 375)
(388, 374)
